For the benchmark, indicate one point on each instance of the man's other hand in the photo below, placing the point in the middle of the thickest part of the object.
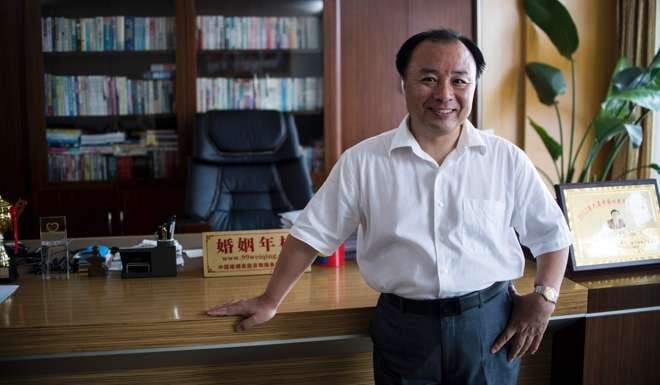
(528, 322)
(255, 311)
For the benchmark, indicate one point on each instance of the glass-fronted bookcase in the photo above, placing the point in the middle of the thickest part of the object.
(254, 55)
(120, 82)
(109, 90)
(108, 151)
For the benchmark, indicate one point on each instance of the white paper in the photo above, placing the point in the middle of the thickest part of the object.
(193, 253)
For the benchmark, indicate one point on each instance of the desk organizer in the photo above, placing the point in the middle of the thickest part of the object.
(140, 262)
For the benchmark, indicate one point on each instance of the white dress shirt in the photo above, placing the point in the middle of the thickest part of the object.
(434, 231)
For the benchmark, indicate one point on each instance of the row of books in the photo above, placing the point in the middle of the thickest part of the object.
(107, 33)
(159, 138)
(73, 165)
(232, 32)
(284, 94)
(106, 95)
(72, 137)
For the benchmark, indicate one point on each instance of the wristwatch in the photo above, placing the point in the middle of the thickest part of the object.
(548, 293)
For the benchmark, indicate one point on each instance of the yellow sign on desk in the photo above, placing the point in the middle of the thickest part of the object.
(252, 252)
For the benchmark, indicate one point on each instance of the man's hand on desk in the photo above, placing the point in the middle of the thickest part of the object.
(254, 310)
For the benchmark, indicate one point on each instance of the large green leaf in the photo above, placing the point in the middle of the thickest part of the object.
(655, 76)
(553, 18)
(645, 97)
(547, 80)
(634, 134)
(607, 128)
(614, 108)
(631, 77)
(554, 148)
(621, 64)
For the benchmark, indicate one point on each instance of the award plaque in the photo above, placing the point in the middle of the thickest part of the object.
(54, 247)
(613, 224)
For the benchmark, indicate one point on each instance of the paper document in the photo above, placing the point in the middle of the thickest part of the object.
(147, 243)
(193, 253)
(6, 291)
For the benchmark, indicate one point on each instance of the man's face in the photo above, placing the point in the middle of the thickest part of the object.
(439, 86)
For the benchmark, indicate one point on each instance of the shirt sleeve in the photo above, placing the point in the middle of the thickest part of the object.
(537, 217)
(332, 214)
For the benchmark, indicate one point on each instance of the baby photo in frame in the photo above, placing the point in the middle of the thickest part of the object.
(613, 224)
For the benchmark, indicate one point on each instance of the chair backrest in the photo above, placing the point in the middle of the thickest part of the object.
(247, 167)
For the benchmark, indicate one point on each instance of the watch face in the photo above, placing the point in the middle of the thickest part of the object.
(548, 293)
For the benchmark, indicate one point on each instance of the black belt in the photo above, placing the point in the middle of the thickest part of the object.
(444, 307)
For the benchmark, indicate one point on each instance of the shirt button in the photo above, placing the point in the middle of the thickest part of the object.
(441, 204)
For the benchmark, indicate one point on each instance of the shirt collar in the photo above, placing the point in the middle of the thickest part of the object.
(470, 138)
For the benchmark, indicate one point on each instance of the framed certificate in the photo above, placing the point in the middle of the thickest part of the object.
(613, 224)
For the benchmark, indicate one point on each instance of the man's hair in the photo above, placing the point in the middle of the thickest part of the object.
(437, 35)
(614, 211)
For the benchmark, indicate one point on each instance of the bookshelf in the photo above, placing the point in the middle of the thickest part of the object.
(109, 127)
(264, 55)
(108, 84)
(358, 94)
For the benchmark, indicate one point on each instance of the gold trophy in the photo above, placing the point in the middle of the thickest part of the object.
(6, 212)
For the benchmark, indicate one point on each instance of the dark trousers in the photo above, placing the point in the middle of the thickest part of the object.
(413, 348)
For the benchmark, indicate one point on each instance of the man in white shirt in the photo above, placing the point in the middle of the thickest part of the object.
(437, 205)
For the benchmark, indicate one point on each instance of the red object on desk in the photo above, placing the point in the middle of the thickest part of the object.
(335, 259)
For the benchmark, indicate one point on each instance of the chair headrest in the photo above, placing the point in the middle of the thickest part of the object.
(245, 136)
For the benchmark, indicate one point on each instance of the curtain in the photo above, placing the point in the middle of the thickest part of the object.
(636, 34)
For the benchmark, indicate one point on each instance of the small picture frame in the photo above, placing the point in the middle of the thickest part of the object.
(613, 224)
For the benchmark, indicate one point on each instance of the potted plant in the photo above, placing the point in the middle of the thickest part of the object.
(632, 93)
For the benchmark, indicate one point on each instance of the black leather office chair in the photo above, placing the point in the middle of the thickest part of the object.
(247, 167)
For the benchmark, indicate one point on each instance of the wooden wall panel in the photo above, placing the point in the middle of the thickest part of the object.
(371, 100)
(371, 33)
(429, 14)
(622, 349)
(14, 155)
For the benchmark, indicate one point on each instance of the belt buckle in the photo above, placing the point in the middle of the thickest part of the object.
(451, 307)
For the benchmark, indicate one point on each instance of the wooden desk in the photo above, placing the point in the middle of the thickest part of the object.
(622, 328)
(84, 317)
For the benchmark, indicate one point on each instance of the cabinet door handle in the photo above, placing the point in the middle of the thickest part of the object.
(121, 222)
(109, 222)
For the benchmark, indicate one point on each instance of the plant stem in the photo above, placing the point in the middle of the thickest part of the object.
(561, 143)
(631, 170)
(613, 155)
(570, 151)
(579, 147)
(545, 175)
(593, 154)
(638, 121)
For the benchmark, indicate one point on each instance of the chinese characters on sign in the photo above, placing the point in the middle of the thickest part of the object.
(242, 252)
